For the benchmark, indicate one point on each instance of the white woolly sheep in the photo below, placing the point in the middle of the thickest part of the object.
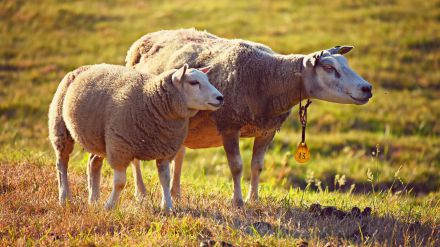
(260, 88)
(121, 114)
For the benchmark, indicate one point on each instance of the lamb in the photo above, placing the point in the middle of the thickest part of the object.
(122, 114)
(260, 89)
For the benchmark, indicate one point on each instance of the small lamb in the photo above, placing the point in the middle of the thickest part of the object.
(121, 114)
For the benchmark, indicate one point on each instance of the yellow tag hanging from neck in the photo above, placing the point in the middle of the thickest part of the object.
(302, 153)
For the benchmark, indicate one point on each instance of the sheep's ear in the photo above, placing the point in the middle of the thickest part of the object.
(314, 60)
(205, 70)
(180, 74)
(340, 49)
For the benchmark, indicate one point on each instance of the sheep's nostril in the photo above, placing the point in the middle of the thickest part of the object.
(219, 98)
(366, 89)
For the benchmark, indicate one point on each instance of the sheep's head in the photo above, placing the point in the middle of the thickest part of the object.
(198, 92)
(328, 77)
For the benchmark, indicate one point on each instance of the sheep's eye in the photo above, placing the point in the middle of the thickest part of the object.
(194, 83)
(331, 69)
(328, 68)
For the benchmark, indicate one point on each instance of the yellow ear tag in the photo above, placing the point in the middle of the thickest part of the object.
(302, 154)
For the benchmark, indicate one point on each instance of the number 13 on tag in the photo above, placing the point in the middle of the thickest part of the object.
(302, 154)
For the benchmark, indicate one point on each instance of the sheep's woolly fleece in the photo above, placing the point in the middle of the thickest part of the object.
(260, 86)
(120, 112)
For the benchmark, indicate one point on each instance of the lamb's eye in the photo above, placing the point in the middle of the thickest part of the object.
(194, 83)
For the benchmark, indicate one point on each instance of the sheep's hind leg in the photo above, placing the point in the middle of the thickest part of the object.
(118, 184)
(259, 150)
(139, 188)
(163, 168)
(177, 169)
(94, 176)
(232, 149)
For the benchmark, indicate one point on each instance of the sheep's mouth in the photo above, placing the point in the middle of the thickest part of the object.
(361, 100)
(216, 105)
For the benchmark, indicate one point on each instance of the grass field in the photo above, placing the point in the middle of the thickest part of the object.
(384, 155)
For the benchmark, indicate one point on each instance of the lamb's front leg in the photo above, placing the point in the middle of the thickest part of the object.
(177, 170)
(232, 149)
(139, 188)
(94, 176)
(259, 150)
(119, 181)
(163, 168)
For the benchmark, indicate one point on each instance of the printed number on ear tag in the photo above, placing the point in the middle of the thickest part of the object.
(302, 154)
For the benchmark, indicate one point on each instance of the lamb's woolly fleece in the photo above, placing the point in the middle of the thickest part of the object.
(118, 113)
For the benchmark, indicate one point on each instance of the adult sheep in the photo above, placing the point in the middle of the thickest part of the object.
(260, 88)
(121, 114)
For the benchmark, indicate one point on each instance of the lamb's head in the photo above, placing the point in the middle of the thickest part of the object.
(327, 76)
(198, 92)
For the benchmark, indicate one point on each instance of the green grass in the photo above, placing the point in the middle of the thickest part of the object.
(397, 48)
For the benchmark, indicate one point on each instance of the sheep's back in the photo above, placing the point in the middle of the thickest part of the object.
(236, 68)
(169, 49)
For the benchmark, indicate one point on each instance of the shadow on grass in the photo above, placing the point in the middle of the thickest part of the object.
(270, 218)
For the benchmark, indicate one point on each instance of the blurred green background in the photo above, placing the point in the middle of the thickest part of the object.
(397, 49)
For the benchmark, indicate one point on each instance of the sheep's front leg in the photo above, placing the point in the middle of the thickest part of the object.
(94, 176)
(119, 180)
(177, 170)
(232, 149)
(259, 150)
(139, 188)
(163, 168)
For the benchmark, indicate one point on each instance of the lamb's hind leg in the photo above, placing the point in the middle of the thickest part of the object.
(177, 170)
(259, 150)
(63, 181)
(94, 176)
(139, 188)
(63, 152)
(230, 144)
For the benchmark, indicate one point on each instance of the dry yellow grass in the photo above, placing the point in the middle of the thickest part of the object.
(30, 215)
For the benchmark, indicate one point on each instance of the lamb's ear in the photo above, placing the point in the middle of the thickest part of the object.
(180, 74)
(340, 49)
(205, 70)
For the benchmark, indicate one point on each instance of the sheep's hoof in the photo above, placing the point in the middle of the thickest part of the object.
(62, 203)
(93, 199)
(140, 197)
(140, 193)
(109, 206)
(175, 194)
(63, 198)
(252, 199)
(167, 210)
(238, 203)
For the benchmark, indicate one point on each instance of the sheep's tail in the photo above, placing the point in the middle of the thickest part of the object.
(59, 135)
